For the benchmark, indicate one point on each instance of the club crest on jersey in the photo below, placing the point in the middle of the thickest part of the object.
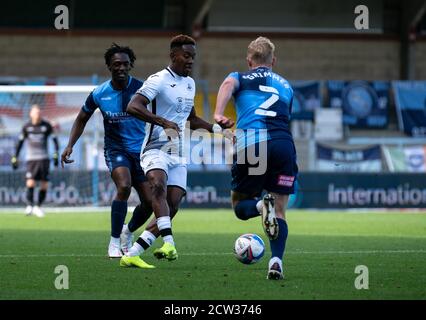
(189, 87)
(179, 104)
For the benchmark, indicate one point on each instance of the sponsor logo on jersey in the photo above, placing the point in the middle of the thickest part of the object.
(117, 114)
(36, 137)
(286, 181)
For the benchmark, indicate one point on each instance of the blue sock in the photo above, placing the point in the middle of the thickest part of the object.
(118, 215)
(246, 209)
(278, 245)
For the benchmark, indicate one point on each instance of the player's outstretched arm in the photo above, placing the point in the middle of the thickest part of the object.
(199, 123)
(223, 96)
(137, 107)
(76, 131)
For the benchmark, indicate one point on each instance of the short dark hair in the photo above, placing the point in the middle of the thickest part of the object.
(180, 40)
(115, 48)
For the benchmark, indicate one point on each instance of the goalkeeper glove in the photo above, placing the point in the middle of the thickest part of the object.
(55, 159)
(14, 162)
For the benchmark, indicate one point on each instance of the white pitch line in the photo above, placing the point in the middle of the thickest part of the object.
(215, 253)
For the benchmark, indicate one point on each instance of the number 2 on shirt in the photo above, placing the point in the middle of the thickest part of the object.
(262, 110)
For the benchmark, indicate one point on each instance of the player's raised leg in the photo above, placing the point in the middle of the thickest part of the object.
(245, 206)
(246, 188)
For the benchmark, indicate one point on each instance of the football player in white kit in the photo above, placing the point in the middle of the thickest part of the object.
(165, 102)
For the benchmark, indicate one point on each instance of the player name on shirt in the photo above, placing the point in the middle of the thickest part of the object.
(266, 74)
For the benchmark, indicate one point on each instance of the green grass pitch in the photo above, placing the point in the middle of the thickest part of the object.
(323, 250)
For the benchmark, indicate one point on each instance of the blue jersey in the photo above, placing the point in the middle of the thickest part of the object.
(263, 102)
(122, 131)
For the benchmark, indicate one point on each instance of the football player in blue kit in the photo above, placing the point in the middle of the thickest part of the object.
(122, 144)
(263, 102)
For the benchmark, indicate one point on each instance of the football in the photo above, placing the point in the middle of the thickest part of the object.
(249, 248)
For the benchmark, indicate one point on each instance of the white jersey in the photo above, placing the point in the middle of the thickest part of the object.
(171, 97)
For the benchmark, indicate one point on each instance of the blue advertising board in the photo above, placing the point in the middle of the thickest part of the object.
(212, 190)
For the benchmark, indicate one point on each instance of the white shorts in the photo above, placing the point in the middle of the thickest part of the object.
(174, 167)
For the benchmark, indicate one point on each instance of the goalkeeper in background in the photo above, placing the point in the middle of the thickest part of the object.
(37, 132)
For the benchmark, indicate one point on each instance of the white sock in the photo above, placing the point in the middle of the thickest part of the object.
(165, 223)
(273, 260)
(135, 250)
(148, 237)
(115, 241)
(126, 229)
(169, 239)
(259, 206)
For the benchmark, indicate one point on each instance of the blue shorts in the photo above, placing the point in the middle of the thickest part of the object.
(119, 158)
(279, 177)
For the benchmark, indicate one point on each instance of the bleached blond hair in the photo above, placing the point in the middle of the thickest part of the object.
(261, 51)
